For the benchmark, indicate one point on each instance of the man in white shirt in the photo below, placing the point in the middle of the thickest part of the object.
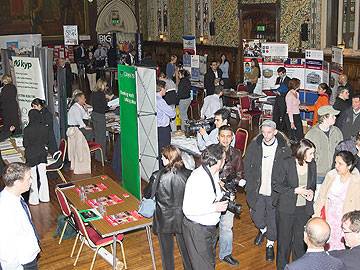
(212, 103)
(19, 240)
(77, 114)
(222, 118)
(202, 208)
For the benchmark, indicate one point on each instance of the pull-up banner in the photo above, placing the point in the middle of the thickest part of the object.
(29, 83)
(129, 130)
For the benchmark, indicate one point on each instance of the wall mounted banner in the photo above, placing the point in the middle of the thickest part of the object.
(29, 83)
(314, 54)
(71, 35)
(129, 127)
(189, 44)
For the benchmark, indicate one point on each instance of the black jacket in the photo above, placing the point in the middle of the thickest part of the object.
(286, 180)
(252, 162)
(209, 81)
(184, 88)
(48, 121)
(346, 124)
(35, 140)
(169, 197)
(341, 105)
(10, 108)
(285, 81)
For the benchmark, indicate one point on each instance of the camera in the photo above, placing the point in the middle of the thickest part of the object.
(230, 184)
(193, 126)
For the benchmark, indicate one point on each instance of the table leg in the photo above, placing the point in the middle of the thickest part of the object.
(114, 252)
(148, 233)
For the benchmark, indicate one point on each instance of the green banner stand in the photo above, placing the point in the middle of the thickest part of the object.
(129, 130)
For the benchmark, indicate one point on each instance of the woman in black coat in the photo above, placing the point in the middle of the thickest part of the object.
(294, 190)
(9, 105)
(35, 141)
(169, 185)
(48, 120)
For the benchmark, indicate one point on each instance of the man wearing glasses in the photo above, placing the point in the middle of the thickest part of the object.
(351, 228)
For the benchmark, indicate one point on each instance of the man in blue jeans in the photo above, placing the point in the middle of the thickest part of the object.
(232, 170)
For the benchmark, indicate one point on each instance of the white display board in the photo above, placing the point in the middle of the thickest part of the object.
(71, 35)
(29, 83)
(295, 68)
(269, 74)
(147, 122)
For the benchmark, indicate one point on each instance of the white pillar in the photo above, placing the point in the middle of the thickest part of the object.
(340, 22)
(323, 24)
(356, 27)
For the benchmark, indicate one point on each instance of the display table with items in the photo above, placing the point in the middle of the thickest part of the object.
(108, 208)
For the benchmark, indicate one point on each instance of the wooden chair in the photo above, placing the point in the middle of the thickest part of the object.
(94, 239)
(59, 163)
(241, 88)
(65, 209)
(241, 139)
(246, 112)
(94, 146)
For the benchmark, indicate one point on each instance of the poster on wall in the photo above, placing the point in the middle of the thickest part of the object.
(71, 35)
(189, 45)
(20, 44)
(336, 67)
(278, 50)
(269, 74)
(313, 74)
(248, 69)
(295, 68)
(252, 47)
(29, 83)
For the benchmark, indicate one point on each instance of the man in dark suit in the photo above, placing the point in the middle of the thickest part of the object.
(80, 54)
(212, 78)
(349, 121)
(279, 110)
(317, 233)
(343, 81)
(351, 228)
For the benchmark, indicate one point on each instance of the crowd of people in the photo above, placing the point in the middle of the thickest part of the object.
(302, 189)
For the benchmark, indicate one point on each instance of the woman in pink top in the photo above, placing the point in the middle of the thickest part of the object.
(293, 120)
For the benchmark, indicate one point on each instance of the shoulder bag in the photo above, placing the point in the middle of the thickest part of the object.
(147, 206)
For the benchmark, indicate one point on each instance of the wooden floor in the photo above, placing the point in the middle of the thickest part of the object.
(54, 256)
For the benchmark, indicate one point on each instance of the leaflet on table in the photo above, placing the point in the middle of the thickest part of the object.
(111, 199)
(89, 215)
(123, 218)
(92, 188)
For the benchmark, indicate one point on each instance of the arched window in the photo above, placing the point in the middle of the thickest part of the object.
(203, 17)
(162, 17)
